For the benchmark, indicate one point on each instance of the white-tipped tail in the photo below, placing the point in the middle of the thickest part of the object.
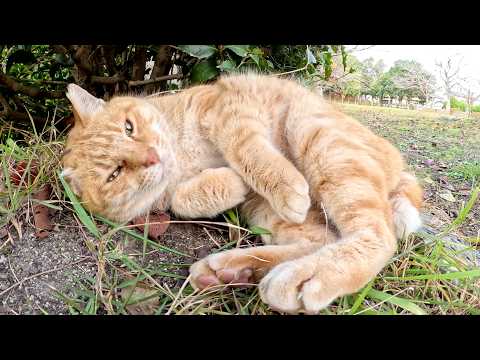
(405, 216)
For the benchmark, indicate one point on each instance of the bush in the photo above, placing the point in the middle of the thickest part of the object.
(33, 77)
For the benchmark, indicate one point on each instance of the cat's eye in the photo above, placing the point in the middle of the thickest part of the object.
(128, 127)
(115, 174)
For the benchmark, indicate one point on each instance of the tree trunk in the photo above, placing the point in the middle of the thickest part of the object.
(139, 61)
(448, 106)
(162, 66)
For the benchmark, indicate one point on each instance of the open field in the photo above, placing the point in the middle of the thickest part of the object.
(89, 266)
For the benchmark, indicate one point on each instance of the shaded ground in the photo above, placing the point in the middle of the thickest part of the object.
(55, 267)
(71, 272)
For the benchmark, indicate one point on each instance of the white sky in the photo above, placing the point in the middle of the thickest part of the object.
(426, 55)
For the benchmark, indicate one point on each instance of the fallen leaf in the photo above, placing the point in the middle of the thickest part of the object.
(41, 217)
(135, 304)
(447, 195)
(428, 162)
(157, 224)
(18, 171)
(445, 183)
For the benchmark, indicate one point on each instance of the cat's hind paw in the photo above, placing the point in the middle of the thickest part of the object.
(295, 286)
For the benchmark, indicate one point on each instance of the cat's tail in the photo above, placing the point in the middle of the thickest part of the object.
(406, 201)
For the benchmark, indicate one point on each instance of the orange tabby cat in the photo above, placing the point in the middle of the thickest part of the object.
(266, 143)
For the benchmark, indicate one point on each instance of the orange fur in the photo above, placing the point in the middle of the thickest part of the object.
(334, 195)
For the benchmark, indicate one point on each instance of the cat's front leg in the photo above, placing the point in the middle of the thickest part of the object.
(208, 194)
(248, 150)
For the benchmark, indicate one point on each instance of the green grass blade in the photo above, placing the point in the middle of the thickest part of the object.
(462, 215)
(82, 214)
(361, 297)
(395, 300)
(447, 276)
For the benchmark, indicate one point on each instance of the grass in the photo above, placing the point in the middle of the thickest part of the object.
(429, 274)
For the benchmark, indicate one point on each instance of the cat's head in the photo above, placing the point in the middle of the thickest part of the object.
(119, 157)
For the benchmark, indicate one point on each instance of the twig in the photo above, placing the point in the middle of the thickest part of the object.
(156, 80)
(187, 280)
(40, 274)
(163, 92)
(107, 80)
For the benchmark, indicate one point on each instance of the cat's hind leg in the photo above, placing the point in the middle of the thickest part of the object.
(406, 201)
(352, 186)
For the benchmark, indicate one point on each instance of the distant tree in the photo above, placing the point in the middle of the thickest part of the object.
(345, 79)
(371, 73)
(449, 71)
(410, 79)
(468, 90)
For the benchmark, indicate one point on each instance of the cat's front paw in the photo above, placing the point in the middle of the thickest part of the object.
(292, 200)
(296, 286)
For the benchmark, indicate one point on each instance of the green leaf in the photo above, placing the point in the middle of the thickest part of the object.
(310, 57)
(257, 230)
(255, 58)
(227, 65)
(63, 59)
(203, 71)
(327, 65)
(233, 217)
(392, 299)
(82, 214)
(240, 50)
(20, 56)
(199, 51)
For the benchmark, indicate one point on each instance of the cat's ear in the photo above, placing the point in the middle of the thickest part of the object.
(85, 105)
(69, 175)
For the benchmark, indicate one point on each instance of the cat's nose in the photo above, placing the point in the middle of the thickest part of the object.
(152, 157)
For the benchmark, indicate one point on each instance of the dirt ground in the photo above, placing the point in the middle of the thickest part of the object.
(31, 269)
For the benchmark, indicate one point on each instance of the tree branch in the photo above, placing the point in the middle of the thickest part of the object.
(154, 81)
(107, 80)
(6, 108)
(32, 91)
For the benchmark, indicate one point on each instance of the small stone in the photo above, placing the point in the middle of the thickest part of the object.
(202, 252)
